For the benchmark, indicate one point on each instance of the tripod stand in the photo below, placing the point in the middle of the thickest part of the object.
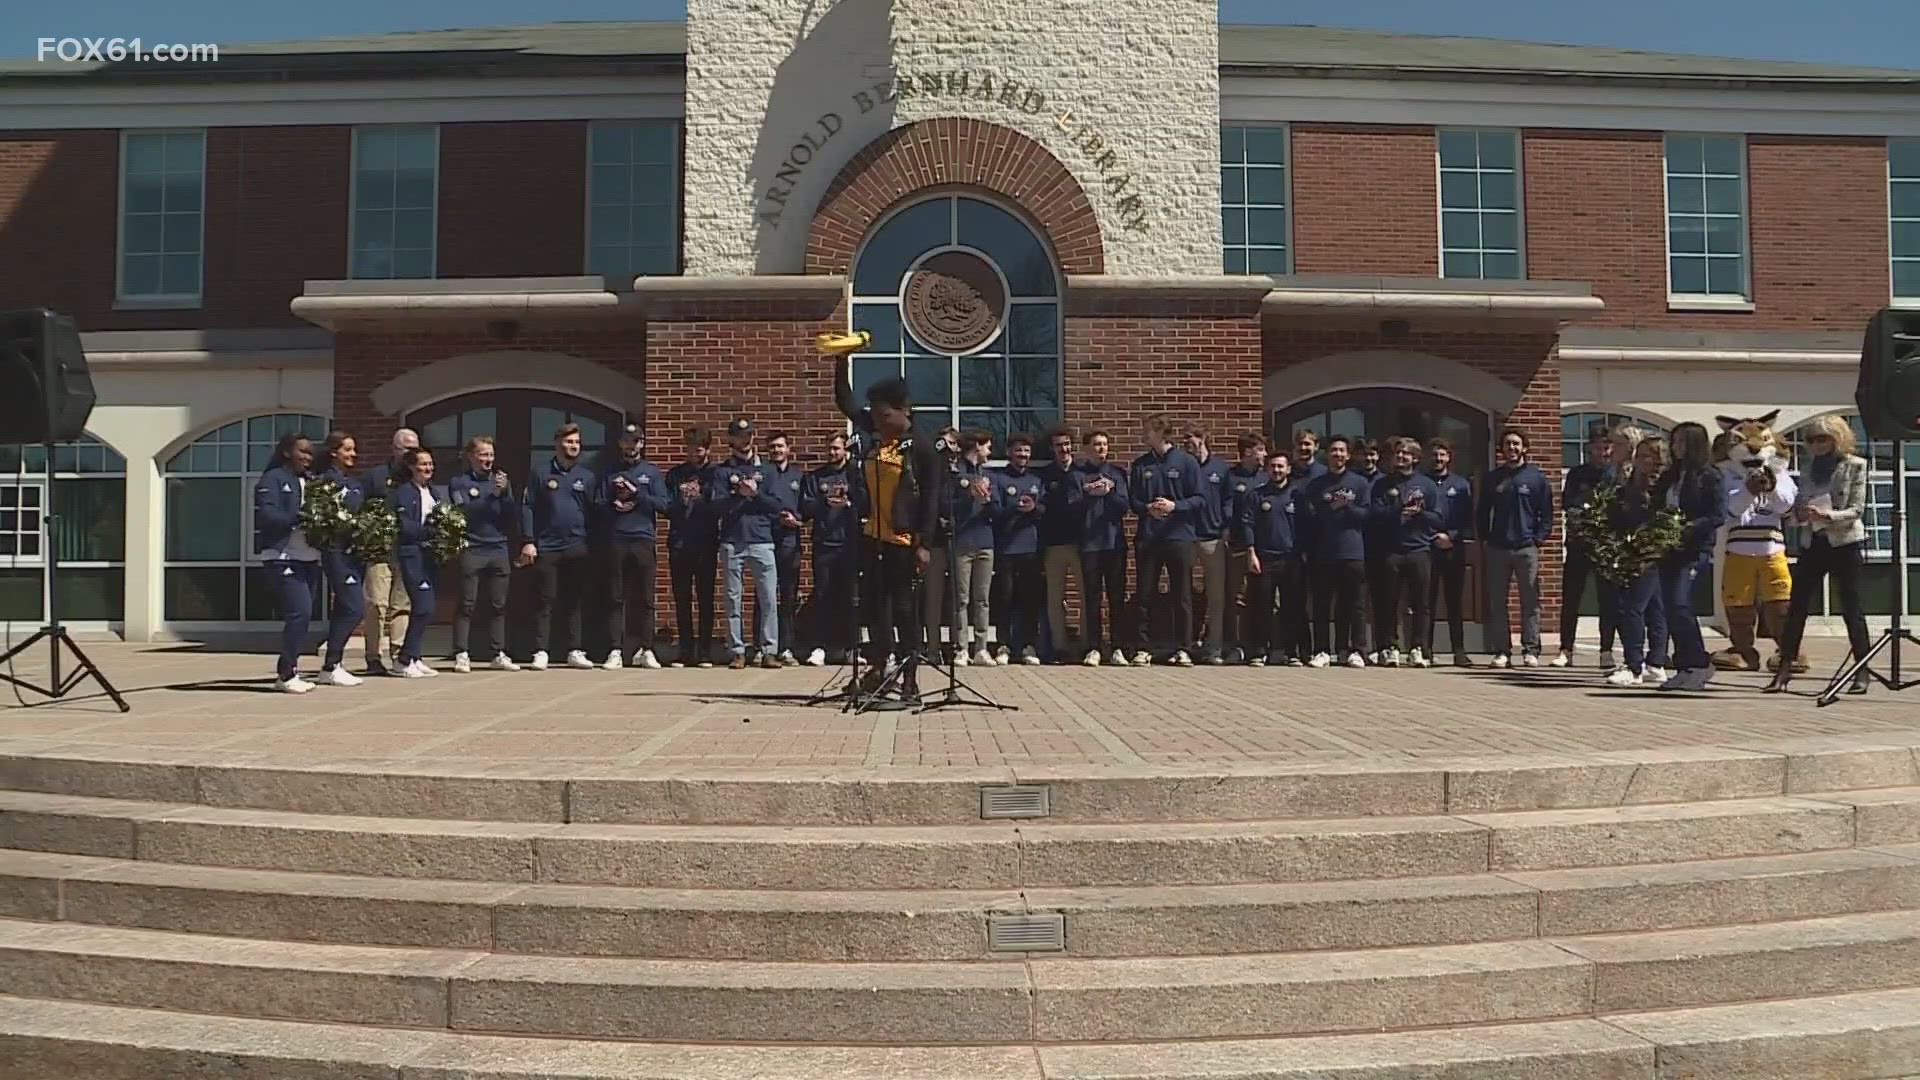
(59, 685)
(849, 693)
(1896, 633)
(957, 692)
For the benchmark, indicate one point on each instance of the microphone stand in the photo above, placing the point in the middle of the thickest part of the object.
(849, 692)
(957, 690)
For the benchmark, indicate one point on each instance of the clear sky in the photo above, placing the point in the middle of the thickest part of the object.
(1879, 33)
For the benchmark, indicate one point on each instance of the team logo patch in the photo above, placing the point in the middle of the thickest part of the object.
(794, 484)
(286, 487)
(1172, 474)
(1266, 504)
(1149, 474)
(1214, 478)
(1011, 490)
(287, 572)
(1393, 493)
(579, 485)
(351, 580)
(1240, 489)
(473, 493)
(645, 479)
(553, 485)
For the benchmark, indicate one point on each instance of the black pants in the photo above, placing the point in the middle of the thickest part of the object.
(563, 583)
(1104, 573)
(493, 570)
(1177, 560)
(1574, 574)
(1019, 590)
(1448, 582)
(893, 619)
(1816, 562)
(1339, 586)
(1372, 599)
(1275, 598)
(692, 567)
(620, 555)
(835, 576)
(1303, 611)
(786, 566)
(1406, 582)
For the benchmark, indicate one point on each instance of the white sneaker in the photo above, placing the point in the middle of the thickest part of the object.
(338, 675)
(1181, 659)
(1320, 660)
(1563, 658)
(539, 661)
(418, 669)
(645, 659)
(1294, 661)
(613, 663)
(817, 658)
(1622, 677)
(578, 660)
(1502, 660)
(1530, 660)
(1607, 662)
(1390, 657)
(983, 658)
(1092, 659)
(503, 662)
(295, 685)
(1374, 658)
(1418, 659)
(1030, 657)
(1258, 661)
(1355, 660)
(1003, 655)
(1142, 658)
(1119, 658)
(1654, 675)
(462, 663)
(960, 658)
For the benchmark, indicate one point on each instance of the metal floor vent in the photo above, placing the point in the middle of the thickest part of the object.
(1016, 801)
(1026, 933)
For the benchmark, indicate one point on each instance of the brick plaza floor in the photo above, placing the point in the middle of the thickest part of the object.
(203, 703)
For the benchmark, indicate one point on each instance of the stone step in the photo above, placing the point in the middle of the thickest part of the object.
(672, 794)
(1850, 1037)
(1049, 1001)
(1029, 856)
(719, 924)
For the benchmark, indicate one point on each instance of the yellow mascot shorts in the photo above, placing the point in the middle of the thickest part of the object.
(1755, 579)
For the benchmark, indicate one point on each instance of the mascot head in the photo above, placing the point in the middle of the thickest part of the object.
(1753, 444)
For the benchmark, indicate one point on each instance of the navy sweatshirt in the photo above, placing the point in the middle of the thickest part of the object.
(692, 524)
(649, 496)
(1456, 497)
(1269, 520)
(1216, 507)
(1337, 532)
(555, 508)
(492, 516)
(1060, 523)
(276, 508)
(1241, 482)
(1701, 498)
(1399, 534)
(973, 521)
(834, 527)
(1173, 475)
(1017, 532)
(412, 538)
(744, 519)
(788, 488)
(1101, 519)
(1516, 507)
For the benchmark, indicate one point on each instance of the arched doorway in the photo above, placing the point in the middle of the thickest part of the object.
(522, 422)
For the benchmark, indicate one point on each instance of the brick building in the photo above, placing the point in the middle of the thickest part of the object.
(1259, 227)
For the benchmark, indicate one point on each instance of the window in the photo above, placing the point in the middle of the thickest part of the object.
(1013, 382)
(1877, 579)
(1253, 200)
(1903, 204)
(84, 498)
(1706, 216)
(1480, 224)
(162, 197)
(1575, 426)
(209, 519)
(395, 191)
(633, 198)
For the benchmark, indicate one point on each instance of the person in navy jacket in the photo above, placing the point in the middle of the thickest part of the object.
(1336, 505)
(633, 493)
(787, 479)
(1267, 521)
(741, 490)
(386, 599)
(1060, 545)
(1449, 548)
(345, 575)
(1210, 528)
(1307, 467)
(291, 564)
(493, 514)
(1516, 517)
(1406, 509)
(1576, 490)
(413, 501)
(693, 549)
(1097, 499)
(1019, 581)
(1164, 486)
(554, 513)
(827, 500)
(1696, 488)
(976, 506)
(1247, 474)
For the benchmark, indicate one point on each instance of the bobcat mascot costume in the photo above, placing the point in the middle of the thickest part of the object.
(1759, 496)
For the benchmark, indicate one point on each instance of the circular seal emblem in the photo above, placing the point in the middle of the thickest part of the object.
(473, 493)
(553, 485)
(1266, 504)
(954, 302)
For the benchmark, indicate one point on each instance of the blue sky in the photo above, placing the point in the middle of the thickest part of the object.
(1879, 33)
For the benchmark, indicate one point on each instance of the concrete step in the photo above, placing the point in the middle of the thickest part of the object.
(977, 857)
(1852, 1037)
(670, 794)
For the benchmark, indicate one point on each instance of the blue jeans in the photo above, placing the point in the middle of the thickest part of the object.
(1642, 619)
(417, 571)
(294, 582)
(766, 590)
(347, 589)
(1676, 593)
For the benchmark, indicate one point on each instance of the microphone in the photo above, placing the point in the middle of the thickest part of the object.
(832, 344)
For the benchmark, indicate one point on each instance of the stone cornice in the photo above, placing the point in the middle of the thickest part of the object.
(334, 304)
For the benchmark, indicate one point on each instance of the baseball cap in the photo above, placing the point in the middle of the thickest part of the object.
(740, 426)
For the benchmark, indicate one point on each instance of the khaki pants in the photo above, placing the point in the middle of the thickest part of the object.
(1212, 557)
(1061, 560)
(387, 609)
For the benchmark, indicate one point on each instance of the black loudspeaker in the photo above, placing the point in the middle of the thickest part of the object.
(1888, 394)
(46, 392)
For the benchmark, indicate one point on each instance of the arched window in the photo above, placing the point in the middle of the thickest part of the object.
(87, 498)
(210, 519)
(1008, 382)
(1877, 580)
(1575, 426)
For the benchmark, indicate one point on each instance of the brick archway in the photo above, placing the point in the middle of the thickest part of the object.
(954, 150)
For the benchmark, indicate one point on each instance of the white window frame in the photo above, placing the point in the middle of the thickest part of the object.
(14, 559)
(1677, 301)
(675, 202)
(353, 199)
(1897, 300)
(1286, 172)
(1519, 198)
(157, 301)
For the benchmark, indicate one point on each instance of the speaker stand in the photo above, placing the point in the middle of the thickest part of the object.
(58, 685)
(1896, 633)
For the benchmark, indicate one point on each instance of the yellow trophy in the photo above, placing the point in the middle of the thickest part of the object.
(831, 344)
